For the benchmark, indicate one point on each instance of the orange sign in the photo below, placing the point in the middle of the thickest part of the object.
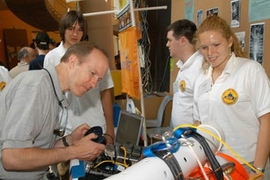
(129, 62)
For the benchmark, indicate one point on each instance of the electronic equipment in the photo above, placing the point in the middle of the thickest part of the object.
(127, 136)
(125, 151)
(190, 155)
(128, 128)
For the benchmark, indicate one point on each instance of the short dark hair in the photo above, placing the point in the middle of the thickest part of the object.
(69, 19)
(81, 50)
(42, 40)
(183, 27)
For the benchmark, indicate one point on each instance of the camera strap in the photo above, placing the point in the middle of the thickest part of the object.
(60, 131)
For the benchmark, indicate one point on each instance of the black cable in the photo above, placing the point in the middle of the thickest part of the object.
(129, 149)
(51, 176)
(59, 101)
(216, 168)
(172, 163)
(164, 73)
(58, 132)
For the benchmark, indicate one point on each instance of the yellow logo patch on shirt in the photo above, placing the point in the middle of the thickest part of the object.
(182, 86)
(229, 96)
(2, 85)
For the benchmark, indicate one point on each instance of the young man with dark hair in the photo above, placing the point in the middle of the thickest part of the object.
(181, 44)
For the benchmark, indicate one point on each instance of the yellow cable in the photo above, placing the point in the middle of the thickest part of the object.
(259, 173)
(111, 162)
(257, 176)
(117, 163)
(125, 155)
(138, 111)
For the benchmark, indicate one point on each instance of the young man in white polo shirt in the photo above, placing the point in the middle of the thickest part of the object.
(181, 44)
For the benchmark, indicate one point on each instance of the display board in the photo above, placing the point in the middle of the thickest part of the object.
(247, 25)
(15, 39)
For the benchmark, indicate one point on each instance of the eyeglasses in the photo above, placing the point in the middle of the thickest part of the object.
(61, 122)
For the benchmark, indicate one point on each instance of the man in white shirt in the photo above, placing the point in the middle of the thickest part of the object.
(181, 44)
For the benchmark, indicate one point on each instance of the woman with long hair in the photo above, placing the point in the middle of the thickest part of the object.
(233, 92)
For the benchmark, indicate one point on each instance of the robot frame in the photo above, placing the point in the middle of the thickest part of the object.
(187, 153)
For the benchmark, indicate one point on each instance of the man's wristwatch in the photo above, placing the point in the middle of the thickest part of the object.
(65, 141)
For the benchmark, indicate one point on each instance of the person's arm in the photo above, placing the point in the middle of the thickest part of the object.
(23, 159)
(263, 143)
(107, 103)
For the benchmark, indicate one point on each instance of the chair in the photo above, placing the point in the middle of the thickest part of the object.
(154, 127)
(160, 115)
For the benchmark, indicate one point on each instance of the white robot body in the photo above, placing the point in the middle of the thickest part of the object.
(187, 157)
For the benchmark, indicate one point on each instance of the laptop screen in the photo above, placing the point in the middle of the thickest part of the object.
(129, 128)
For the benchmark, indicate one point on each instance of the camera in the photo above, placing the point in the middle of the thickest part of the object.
(114, 159)
(98, 131)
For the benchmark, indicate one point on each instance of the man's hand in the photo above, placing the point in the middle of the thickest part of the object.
(86, 149)
(196, 123)
(79, 132)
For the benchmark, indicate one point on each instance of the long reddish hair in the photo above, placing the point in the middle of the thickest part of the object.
(216, 23)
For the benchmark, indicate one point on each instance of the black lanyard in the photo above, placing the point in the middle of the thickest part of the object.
(60, 131)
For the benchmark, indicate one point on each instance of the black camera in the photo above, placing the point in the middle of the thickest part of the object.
(98, 131)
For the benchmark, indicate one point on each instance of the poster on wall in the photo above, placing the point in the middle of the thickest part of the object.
(121, 6)
(123, 14)
(235, 13)
(189, 9)
(199, 17)
(212, 12)
(258, 10)
(125, 20)
(256, 42)
(241, 38)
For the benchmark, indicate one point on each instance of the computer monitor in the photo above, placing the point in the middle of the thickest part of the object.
(129, 128)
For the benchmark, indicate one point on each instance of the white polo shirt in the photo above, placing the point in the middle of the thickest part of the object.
(235, 102)
(183, 89)
(54, 56)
